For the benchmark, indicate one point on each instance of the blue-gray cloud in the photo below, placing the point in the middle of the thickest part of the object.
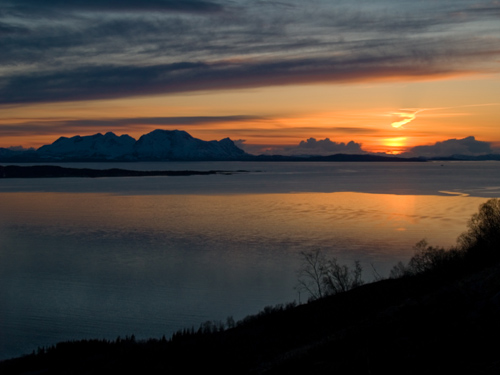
(466, 146)
(57, 126)
(81, 50)
(113, 5)
(107, 82)
(312, 146)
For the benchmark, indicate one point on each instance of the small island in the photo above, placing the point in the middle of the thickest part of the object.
(51, 171)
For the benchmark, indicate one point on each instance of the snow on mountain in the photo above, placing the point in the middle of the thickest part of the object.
(7, 153)
(97, 146)
(157, 145)
(17, 154)
(179, 145)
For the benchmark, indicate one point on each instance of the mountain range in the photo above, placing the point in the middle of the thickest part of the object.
(159, 145)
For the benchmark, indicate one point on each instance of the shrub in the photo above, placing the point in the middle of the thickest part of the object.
(399, 270)
(427, 259)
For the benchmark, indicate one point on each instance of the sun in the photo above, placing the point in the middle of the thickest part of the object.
(395, 145)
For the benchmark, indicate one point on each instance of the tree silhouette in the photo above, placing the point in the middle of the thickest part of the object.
(483, 235)
(320, 276)
(340, 278)
(311, 273)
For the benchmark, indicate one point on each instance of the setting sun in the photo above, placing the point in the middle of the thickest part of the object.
(395, 145)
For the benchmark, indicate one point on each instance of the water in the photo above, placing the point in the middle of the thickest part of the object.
(101, 258)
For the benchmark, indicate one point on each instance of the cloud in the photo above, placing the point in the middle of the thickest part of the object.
(6, 29)
(118, 5)
(107, 82)
(325, 146)
(83, 50)
(465, 146)
(404, 117)
(57, 126)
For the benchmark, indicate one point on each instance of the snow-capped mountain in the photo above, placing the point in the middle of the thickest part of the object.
(157, 145)
(97, 146)
(179, 145)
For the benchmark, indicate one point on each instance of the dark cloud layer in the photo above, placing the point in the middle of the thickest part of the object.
(106, 82)
(116, 5)
(81, 50)
(57, 126)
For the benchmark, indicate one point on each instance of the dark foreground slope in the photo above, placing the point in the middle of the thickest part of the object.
(424, 324)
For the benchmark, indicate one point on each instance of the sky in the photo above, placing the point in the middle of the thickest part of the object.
(289, 77)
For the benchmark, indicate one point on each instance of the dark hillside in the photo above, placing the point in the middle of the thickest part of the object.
(410, 325)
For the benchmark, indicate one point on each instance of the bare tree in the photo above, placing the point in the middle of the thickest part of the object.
(311, 273)
(340, 278)
(320, 276)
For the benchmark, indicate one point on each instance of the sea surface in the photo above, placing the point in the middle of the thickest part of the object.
(108, 257)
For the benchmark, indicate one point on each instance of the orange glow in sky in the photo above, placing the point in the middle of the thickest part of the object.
(382, 117)
(372, 115)
(273, 76)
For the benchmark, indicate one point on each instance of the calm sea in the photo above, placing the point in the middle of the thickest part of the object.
(108, 257)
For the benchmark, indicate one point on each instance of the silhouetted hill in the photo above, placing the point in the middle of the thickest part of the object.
(426, 324)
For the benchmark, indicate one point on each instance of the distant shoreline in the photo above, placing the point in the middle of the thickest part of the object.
(50, 171)
(33, 158)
